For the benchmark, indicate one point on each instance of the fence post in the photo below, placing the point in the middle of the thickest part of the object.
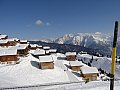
(113, 56)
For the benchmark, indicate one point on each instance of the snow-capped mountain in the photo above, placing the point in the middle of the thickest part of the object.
(84, 39)
(95, 40)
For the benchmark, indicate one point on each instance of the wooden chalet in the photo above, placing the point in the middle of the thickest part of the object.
(22, 49)
(47, 52)
(70, 56)
(16, 40)
(52, 51)
(3, 43)
(89, 73)
(33, 46)
(75, 65)
(46, 62)
(46, 47)
(11, 42)
(3, 37)
(40, 46)
(9, 56)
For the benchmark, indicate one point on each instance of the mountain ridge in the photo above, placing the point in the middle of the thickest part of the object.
(97, 40)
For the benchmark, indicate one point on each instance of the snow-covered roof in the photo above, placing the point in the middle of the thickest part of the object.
(47, 51)
(3, 36)
(52, 50)
(45, 59)
(89, 70)
(19, 46)
(75, 63)
(5, 52)
(33, 45)
(23, 40)
(3, 41)
(84, 55)
(82, 52)
(70, 53)
(46, 47)
(39, 46)
(11, 39)
(16, 39)
(39, 52)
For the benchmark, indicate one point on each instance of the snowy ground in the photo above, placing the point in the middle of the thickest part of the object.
(93, 85)
(27, 73)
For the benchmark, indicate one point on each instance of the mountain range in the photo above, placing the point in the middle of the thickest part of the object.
(97, 40)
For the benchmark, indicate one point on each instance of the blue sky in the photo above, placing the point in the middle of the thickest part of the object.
(35, 19)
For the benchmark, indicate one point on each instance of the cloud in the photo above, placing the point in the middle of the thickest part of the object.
(39, 22)
(48, 24)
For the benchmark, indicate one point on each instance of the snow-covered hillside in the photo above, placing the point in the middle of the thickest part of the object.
(27, 72)
(28, 76)
(102, 63)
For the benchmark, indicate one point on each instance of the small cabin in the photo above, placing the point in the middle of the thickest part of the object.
(16, 40)
(8, 56)
(52, 51)
(33, 46)
(70, 56)
(75, 65)
(89, 73)
(22, 49)
(3, 43)
(46, 62)
(47, 52)
(3, 37)
(39, 46)
(46, 47)
(23, 42)
(11, 42)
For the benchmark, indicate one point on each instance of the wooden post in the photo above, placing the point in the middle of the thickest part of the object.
(113, 56)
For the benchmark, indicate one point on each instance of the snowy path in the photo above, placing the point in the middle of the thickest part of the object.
(60, 65)
(72, 77)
